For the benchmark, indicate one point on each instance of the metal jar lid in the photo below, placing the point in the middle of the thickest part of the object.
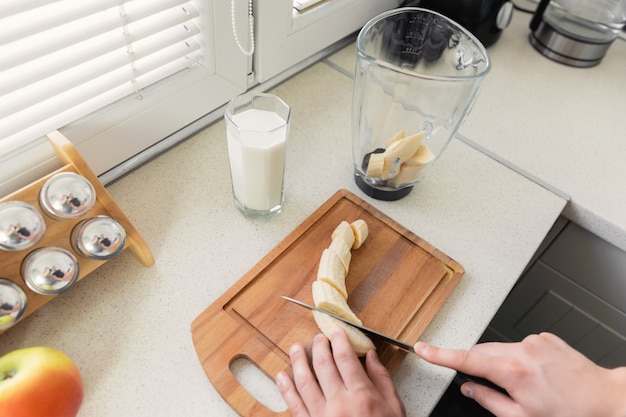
(50, 270)
(21, 226)
(12, 303)
(67, 196)
(100, 237)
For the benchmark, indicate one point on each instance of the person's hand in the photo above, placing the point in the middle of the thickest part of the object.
(543, 376)
(338, 385)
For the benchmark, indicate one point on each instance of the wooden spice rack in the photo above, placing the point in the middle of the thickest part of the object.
(58, 231)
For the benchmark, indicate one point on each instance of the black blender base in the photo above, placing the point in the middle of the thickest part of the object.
(378, 194)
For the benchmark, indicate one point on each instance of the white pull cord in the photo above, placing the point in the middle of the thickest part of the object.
(250, 23)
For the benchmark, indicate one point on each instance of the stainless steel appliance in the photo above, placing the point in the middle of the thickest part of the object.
(577, 32)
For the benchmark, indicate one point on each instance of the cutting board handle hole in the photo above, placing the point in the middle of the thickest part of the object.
(257, 383)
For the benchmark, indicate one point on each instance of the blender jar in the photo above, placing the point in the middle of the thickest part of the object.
(417, 75)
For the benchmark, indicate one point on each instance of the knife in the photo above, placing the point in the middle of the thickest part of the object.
(394, 342)
(366, 330)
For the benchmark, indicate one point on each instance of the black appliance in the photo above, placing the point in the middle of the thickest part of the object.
(486, 19)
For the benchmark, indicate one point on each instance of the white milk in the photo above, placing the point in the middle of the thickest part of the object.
(257, 158)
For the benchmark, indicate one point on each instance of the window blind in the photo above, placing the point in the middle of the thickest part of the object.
(64, 59)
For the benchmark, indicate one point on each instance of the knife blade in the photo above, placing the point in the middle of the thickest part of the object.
(370, 332)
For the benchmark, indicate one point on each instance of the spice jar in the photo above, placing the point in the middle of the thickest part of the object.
(67, 196)
(100, 237)
(50, 270)
(12, 303)
(21, 226)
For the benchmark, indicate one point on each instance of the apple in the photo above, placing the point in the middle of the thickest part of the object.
(38, 382)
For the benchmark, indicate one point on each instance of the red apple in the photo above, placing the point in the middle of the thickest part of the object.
(38, 382)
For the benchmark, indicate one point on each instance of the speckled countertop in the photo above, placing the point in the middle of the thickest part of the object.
(128, 327)
(563, 125)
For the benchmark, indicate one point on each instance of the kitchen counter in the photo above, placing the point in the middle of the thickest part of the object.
(128, 327)
(563, 125)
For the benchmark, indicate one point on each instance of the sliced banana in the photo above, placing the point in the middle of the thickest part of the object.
(326, 297)
(395, 138)
(329, 291)
(342, 250)
(360, 231)
(359, 341)
(413, 167)
(331, 270)
(381, 167)
(404, 148)
(408, 174)
(375, 165)
(422, 156)
(378, 166)
(392, 168)
(344, 231)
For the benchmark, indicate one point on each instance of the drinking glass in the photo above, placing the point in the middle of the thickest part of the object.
(257, 125)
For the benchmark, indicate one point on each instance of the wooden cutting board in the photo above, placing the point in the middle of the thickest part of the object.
(396, 284)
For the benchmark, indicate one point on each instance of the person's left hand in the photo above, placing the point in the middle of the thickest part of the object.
(338, 385)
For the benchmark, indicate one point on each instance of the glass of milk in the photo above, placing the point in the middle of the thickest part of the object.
(256, 129)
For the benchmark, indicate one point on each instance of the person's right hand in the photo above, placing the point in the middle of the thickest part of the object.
(543, 376)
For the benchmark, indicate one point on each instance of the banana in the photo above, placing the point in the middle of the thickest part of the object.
(392, 168)
(412, 167)
(344, 231)
(408, 174)
(395, 138)
(404, 148)
(381, 167)
(359, 341)
(400, 150)
(326, 297)
(342, 250)
(422, 156)
(360, 231)
(376, 165)
(329, 291)
(331, 270)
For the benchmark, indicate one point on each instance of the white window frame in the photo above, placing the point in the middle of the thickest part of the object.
(286, 37)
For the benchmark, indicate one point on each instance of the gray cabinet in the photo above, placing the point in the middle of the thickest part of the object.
(575, 287)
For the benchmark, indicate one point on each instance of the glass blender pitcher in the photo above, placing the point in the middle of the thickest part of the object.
(417, 75)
